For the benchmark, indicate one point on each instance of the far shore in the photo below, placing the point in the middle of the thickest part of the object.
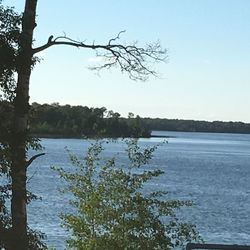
(58, 136)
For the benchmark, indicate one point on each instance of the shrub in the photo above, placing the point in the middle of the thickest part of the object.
(112, 211)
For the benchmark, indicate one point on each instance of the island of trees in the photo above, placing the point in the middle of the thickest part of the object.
(54, 120)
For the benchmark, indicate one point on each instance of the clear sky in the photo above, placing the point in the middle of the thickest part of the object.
(207, 76)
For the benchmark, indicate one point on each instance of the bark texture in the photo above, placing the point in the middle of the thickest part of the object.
(20, 130)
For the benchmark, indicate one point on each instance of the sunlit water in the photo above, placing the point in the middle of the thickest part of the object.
(211, 169)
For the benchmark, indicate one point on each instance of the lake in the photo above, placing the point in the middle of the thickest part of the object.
(211, 169)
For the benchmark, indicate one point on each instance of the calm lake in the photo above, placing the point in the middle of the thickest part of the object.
(211, 169)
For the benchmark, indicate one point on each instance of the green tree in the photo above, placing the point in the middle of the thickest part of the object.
(18, 57)
(112, 209)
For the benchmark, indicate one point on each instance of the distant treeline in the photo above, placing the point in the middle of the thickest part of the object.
(54, 120)
(75, 121)
(196, 126)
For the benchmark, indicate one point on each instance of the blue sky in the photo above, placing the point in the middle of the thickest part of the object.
(206, 77)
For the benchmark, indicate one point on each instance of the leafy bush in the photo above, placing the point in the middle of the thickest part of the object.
(112, 211)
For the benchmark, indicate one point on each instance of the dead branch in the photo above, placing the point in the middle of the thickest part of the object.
(134, 60)
(33, 158)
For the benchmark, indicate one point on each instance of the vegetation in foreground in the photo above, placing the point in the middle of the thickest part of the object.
(113, 211)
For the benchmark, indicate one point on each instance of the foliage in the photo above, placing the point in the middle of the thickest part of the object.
(195, 126)
(77, 121)
(113, 211)
(10, 23)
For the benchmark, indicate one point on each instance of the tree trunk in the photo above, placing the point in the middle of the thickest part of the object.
(20, 130)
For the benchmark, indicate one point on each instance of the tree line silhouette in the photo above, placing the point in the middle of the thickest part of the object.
(54, 120)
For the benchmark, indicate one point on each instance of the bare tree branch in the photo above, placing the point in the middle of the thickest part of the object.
(117, 37)
(33, 158)
(132, 59)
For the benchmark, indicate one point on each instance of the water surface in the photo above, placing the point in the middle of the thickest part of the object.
(211, 169)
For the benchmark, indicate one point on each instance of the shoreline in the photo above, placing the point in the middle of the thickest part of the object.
(48, 136)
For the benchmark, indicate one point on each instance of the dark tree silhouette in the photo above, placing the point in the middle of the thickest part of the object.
(131, 59)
